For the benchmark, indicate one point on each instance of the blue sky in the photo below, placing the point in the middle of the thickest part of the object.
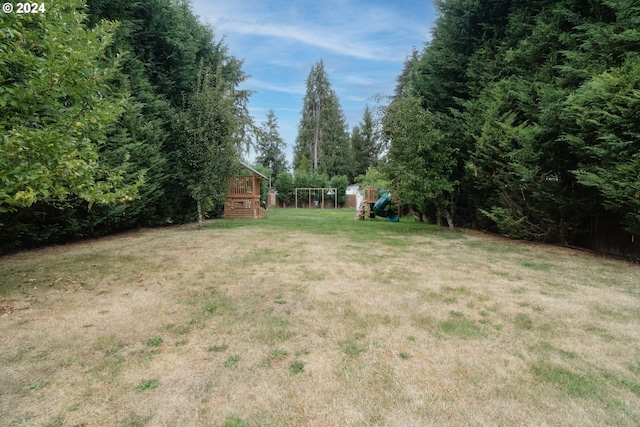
(363, 45)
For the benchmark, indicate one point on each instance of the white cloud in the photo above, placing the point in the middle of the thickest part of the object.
(329, 39)
(358, 29)
(363, 43)
(360, 80)
(256, 84)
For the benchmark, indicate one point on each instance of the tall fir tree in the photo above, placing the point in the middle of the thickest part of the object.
(270, 146)
(365, 143)
(322, 143)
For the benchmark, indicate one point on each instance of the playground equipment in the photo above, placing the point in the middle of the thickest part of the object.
(377, 204)
(381, 208)
(318, 201)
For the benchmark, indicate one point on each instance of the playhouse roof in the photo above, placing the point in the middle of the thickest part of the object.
(244, 165)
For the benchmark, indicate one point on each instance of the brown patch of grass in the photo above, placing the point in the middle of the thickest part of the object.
(310, 318)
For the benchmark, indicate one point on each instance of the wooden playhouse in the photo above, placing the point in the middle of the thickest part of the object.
(243, 197)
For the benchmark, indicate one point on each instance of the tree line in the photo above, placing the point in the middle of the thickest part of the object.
(118, 114)
(114, 114)
(325, 153)
(521, 117)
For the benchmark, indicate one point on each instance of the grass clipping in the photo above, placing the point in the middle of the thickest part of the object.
(311, 318)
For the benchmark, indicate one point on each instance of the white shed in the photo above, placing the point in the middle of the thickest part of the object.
(352, 194)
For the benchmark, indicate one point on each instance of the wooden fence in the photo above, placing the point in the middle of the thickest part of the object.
(607, 235)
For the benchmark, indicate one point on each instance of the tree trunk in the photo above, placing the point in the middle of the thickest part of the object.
(314, 150)
(449, 218)
(445, 212)
(199, 203)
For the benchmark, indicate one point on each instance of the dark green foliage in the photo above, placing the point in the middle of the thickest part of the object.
(419, 162)
(270, 146)
(323, 144)
(284, 186)
(158, 46)
(305, 179)
(340, 182)
(365, 144)
(538, 102)
(56, 101)
(607, 111)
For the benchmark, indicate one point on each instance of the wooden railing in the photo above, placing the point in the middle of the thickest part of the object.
(240, 185)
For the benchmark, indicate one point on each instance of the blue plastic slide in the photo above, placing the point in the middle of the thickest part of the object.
(381, 208)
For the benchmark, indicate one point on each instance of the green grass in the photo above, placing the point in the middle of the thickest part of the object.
(352, 348)
(620, 314)
(278, 353)
(154, 341)
(458, 326)
(338, 222)
(539, 266)
(523, 321)
(234, 421)
(296, 367)
(272, 329)
(271, 322)
(36, 386)
(575, 384)
(232, 362)
(147, 385)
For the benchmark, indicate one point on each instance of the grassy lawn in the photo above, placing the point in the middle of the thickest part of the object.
(309, 318)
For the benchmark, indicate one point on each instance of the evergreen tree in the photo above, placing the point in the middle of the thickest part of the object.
(270, 146)
(310, 129)
(166, 45)
(520, 91)
(365, 144)
(607, 111)
(337, 153)
(407, 78)
(323, 142)
(524, 182)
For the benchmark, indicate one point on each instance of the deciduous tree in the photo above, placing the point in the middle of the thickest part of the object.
(210, 146)
(419, 162)
(55, 107)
